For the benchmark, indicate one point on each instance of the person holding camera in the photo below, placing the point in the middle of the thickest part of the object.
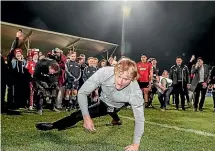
(164, 89)
(199, 83)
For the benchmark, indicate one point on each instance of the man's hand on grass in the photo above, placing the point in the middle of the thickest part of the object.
(88, 123)
(132, 147)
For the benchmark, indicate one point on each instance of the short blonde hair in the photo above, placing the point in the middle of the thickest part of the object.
(89, 58)
(126, 64)
(96, 59)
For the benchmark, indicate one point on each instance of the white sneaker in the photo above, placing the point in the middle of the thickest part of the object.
(40, 112)
(30, 107)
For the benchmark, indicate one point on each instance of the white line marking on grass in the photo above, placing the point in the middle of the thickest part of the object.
(175, 127)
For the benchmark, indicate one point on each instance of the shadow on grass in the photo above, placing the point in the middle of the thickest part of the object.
(61, 139)
(13, 112)
(64, 137)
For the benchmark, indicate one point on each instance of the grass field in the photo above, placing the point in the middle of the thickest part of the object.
(19, 134)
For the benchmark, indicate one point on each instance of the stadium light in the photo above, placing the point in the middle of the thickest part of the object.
(126, 10)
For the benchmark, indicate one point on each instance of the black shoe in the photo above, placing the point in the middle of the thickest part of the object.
(146, 105)
(200, 109)
(44, 126)
(114, 123)
(183, 108)
(150, 103)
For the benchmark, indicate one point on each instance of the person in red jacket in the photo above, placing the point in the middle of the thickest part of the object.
(62, 63)
(145, 72)
(33, 59)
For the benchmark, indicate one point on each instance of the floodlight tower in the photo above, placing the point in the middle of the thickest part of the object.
(126, 10)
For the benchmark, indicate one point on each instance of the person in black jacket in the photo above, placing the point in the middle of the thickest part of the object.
(153, 90)
(11, 78)
(73, 74)
(21, 79)
(179, 74)
(4, 74)
(81, 61)
(212, 81)
(88, 72)
(46, 78)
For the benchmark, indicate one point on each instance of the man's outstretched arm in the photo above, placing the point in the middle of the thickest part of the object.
(137, 103)
(87, 88)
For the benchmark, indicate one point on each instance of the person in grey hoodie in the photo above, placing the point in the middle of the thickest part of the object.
(119, 86)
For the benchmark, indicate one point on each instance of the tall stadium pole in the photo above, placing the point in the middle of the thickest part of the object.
(125, 14)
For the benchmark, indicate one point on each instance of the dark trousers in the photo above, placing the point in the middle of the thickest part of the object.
(151, 95)
(21, 93)
(203, 91)
(40, 103)
(10, 96)
(214, 96)
(95, 110)
(173, 98)
(43, 94)
(187, 96)
(164, 98)
(3, 89)
(181, 90)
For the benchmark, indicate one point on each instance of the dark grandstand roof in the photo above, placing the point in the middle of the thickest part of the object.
(48, 40)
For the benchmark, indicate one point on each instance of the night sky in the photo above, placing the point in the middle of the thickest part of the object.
(162, 30)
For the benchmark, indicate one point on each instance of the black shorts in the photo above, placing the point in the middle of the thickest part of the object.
(72, 85)
(143, 84)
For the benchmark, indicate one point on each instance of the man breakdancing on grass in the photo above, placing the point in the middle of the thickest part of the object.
(119, 86)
